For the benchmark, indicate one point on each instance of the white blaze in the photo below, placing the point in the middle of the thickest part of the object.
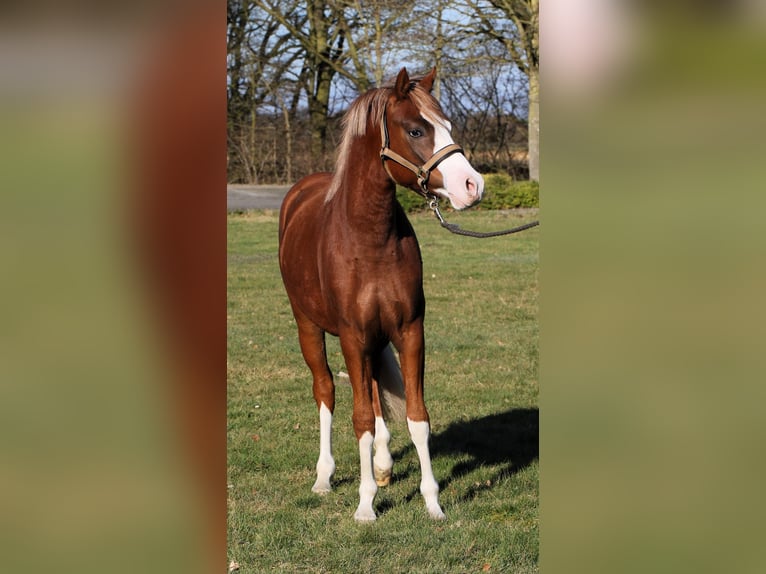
(463, 185)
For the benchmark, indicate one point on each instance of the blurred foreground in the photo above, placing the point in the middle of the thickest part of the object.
(112, 333)
(652, 274)
(112, 329)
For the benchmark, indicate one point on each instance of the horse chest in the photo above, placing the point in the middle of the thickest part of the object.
(378, 293)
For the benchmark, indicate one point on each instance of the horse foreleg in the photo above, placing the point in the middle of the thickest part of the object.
(367, 486)
(359, 367)
(429, 488)
(312, 340)
(325, 463)
(412, 356)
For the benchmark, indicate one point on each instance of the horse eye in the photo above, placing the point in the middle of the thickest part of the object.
(416, 133)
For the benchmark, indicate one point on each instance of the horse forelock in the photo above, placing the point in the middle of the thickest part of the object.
(369, 107)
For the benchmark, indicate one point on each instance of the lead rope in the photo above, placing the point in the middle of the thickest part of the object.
(433, 205)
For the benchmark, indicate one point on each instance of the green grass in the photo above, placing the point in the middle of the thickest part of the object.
(481, 391)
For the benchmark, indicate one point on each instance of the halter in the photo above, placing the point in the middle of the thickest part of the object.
(422, 172)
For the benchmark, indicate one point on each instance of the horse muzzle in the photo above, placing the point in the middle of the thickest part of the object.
(463, 186)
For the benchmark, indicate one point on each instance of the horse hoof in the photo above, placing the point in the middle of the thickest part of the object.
(364, 515)
(321, 488)
(436, 514)
(382, 476)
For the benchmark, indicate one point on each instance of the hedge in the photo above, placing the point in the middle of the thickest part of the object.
(500, 192)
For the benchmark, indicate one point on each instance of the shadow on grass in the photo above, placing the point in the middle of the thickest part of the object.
(508, 442)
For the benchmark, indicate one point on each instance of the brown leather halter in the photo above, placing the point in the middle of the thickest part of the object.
(423, 172)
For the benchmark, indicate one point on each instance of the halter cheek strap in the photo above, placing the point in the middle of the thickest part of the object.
(422, 172)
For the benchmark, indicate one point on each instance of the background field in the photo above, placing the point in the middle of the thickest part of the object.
(481, 390)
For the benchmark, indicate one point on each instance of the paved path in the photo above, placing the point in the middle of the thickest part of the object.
(241, 197)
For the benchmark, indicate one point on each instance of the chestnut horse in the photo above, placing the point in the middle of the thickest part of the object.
(351, 266)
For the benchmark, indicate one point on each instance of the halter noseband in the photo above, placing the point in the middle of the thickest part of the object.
(422, 172)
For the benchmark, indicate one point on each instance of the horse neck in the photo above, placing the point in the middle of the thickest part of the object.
(367, 198)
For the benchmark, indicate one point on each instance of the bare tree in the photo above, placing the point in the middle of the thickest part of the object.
(484, 104)
(515, 25)
(294, 64)
(259, 50)
(337, 37)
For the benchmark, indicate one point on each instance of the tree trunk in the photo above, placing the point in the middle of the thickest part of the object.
(320, 82)
(319, 104)
(252, 175)
(534, 124)
(439, 42)
(288, 140)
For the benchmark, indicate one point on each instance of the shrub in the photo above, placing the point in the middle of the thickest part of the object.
(500, 192)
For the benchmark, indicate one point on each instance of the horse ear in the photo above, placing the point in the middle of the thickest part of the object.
(427, 83)
(402, 85)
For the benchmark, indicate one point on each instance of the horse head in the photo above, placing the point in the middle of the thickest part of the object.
(415, 136)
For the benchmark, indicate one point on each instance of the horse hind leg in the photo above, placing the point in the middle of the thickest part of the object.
(312, 341)
(382, 462)
(387, 404)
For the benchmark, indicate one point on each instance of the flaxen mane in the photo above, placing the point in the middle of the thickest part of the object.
(369, 106)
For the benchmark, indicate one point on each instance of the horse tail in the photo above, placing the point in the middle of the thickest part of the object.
(391, 386)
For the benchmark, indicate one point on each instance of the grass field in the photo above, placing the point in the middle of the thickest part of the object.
(481, 391)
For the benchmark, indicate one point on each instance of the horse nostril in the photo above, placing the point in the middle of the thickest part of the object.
(471, 187)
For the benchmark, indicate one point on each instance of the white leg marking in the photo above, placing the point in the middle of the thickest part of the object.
(382, 461)
(326, 463)
(429, 488)
(367, 486)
